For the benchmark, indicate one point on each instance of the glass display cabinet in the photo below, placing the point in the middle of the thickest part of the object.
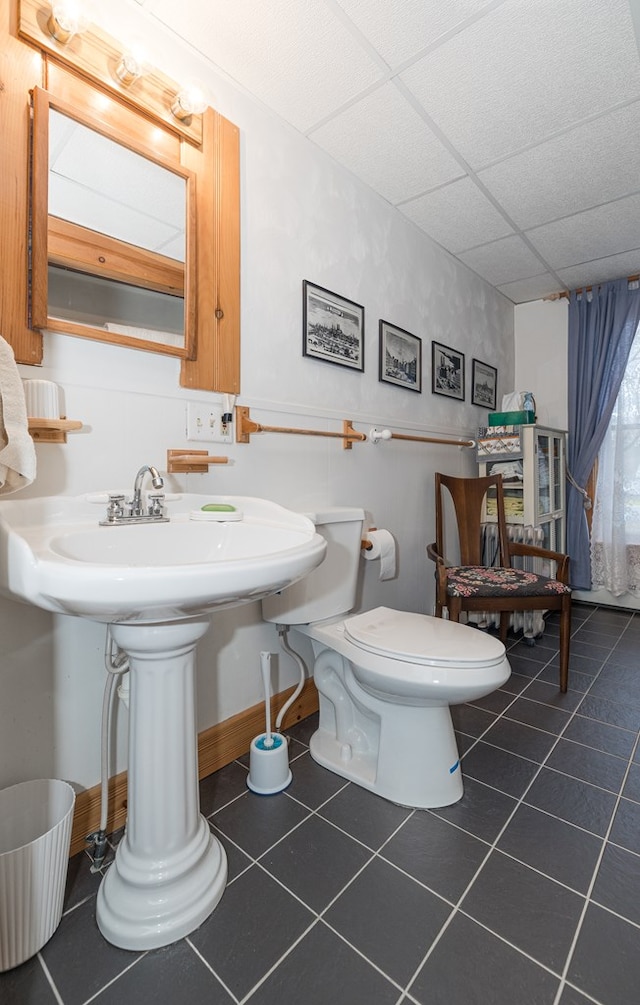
(534, 484)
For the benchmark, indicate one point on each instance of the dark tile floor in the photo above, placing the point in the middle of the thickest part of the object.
(526, 892)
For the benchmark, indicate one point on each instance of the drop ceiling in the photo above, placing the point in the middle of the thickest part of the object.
(508, 131)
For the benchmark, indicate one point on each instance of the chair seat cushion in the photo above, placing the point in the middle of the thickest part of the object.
(478, 581)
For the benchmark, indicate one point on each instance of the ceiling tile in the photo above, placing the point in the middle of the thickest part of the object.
(457, 216)
(596, 233)
(503, 261)
(538, 99)
(385, 142)
(526, 70)
(589, 165)
(602, 271)
(401, 29)
(296, 56)
(534, 288)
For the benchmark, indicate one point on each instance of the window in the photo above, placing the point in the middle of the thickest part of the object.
(615, 534)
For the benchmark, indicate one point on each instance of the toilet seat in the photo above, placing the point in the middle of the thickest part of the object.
(419, 638)
(407, 658)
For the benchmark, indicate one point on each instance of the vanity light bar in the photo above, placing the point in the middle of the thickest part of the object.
(54, 29)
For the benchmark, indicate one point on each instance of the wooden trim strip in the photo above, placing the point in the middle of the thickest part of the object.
(565, 294)
(20, 70)
(215, 365)
(217, 746)
(75, 247)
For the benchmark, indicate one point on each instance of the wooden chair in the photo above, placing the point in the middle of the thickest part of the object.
(470, 586)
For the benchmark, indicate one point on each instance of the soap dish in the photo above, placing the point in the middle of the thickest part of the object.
(216, 516)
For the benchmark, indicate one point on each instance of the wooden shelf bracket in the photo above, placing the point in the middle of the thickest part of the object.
(191, 461)
(52, 430)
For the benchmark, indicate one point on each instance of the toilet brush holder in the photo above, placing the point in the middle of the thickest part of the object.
(269, 770)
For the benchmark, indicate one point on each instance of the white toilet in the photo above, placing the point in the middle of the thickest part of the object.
(385, 678)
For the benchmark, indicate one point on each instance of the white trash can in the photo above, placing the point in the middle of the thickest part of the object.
(35, 837)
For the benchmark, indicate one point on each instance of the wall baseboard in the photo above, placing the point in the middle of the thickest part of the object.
(217, 746)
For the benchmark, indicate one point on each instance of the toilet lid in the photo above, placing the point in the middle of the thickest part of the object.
(418, 638)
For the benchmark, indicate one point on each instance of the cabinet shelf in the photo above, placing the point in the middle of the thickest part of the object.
(538, 498)
(52, 430)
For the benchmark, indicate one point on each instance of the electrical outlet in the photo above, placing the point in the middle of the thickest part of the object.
(204, 424)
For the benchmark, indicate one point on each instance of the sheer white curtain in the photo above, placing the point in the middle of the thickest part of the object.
(615, 532)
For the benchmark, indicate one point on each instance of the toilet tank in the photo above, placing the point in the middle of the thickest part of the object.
(330, 589)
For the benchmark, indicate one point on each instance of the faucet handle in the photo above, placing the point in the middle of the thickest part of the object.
(115, 508)
(156, 503)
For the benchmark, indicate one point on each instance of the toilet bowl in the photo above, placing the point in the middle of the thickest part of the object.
(385, 678)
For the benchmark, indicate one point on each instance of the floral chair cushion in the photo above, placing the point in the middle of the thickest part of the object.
(478, 581)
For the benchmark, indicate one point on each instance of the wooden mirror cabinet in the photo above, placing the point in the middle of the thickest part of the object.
(36, 75)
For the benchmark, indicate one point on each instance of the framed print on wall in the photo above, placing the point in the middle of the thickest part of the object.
(447, 371)
(332, 327)
(484, 380)
(400, 357)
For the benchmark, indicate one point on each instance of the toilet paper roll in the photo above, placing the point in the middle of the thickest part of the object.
(383, 547)
(42, 398)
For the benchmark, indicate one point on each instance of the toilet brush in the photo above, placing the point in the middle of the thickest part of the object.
(269, 770)
(265, 670)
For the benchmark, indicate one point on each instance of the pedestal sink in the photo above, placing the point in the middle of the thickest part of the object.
(156, 585)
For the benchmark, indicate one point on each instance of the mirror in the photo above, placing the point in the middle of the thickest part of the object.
(113, 254)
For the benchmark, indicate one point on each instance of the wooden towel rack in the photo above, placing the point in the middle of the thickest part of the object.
(245, 426)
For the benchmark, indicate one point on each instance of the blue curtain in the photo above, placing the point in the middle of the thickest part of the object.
(602, 326)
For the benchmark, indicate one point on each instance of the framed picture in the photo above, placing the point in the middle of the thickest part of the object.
(332, 327)
(484, 379)
(400, 357)
(447, 371)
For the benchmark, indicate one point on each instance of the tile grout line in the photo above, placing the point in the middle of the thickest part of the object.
(594, 877)
(458, 906)
(405, 992)
(50, 979)
(625, 631)
(115, 979)
(319, 915)
(210, 968)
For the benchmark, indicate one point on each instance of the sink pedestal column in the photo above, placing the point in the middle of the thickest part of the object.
(169, 870)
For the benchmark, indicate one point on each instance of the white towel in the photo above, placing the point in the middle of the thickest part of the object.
(17, 452)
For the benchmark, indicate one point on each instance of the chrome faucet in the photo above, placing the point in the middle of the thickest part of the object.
(136, 502)
(121, 511)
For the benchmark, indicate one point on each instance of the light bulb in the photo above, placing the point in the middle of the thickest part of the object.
(67, 18)
(129, 68)
(192, 100)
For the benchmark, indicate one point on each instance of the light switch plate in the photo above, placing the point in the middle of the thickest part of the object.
(204, 424)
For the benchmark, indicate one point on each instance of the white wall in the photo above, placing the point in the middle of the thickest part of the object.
(541, 358)
(303, 217)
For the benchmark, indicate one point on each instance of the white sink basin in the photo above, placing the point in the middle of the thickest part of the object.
(55, 555)
(157, 584)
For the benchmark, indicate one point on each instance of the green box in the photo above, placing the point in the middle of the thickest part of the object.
(511, 418)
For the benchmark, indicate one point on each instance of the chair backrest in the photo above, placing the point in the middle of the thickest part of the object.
(468, 496)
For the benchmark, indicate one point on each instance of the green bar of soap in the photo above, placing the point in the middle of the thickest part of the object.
(218, 508)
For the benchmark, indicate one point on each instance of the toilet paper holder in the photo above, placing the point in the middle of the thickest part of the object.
(380, 546)
(365, 543)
